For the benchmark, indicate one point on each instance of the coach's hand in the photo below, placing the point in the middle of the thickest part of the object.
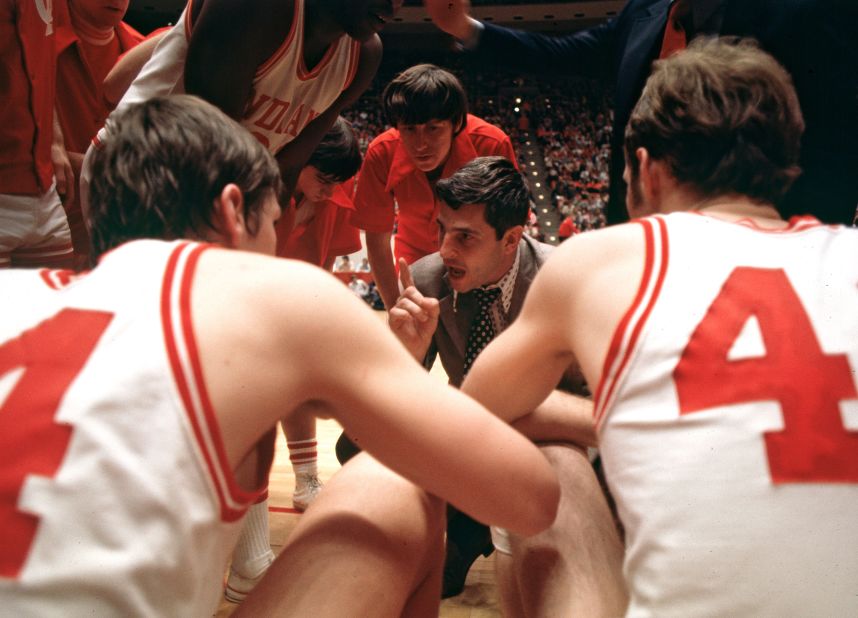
(414, 317)
(452, 16)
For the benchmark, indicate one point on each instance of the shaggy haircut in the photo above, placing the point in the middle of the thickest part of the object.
(422, 93)
(723, 115)
(337, 157)
(493, 181)
(164, 164)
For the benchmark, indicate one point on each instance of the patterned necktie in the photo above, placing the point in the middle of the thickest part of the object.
(674, 34)
(482, 329)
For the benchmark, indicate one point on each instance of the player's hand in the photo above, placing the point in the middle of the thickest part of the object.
(452, 16)
(63, 173)
(414, 317)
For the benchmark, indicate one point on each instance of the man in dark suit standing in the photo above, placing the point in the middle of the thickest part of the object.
(453, 302)
(815, 40)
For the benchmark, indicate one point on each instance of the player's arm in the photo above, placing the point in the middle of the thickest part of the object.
(126, 69)
(229, 41)
(588, 52)
(380, 256)
(296, 335)
(295, 154)
(569, 316)
(63, 173)
(562, 417)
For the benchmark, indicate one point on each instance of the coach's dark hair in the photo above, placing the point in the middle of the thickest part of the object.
(338, 154)
(162, 166)
(493, 181)
(723, 115)
(422, 93)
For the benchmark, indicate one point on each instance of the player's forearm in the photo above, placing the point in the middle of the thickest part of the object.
(381, 260)
(562, 417)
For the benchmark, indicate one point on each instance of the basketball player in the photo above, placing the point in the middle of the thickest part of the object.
(315, 231)
(140, 402)
(34, 166)
(724, 344)
(432, 136)
(284, 70)
(88, 45)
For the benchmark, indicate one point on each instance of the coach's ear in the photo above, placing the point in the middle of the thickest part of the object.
(511, 238)
(229, 217)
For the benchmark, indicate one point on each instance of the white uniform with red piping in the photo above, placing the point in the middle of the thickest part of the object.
(286, 95)
(116, 496)
(728, 416)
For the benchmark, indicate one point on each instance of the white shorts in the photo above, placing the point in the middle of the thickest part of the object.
(34, 231)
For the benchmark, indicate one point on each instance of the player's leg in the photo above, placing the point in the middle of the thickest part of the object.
(252, 555)
(575, 567)
(300, 430)
(370, 545)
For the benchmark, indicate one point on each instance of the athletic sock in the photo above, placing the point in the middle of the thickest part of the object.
(253, 554)
(303, 456)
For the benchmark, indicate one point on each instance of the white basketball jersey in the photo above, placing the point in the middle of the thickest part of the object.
(728, 416)
(116, 495)
(286, 95)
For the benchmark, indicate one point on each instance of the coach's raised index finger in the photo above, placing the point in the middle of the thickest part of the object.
(405, 274)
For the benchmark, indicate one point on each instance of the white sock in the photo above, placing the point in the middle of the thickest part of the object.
(252, 553)
(303, 455)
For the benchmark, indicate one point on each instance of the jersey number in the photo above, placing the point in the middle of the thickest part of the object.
(814, 445)
(50, 355)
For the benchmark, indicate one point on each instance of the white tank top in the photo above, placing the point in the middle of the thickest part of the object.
(285, 96)
(728, 416)
(116, 495)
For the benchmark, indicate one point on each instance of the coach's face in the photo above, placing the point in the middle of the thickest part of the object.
(470, 249)
(428, 145)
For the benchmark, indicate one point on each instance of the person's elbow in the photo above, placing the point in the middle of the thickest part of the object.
(539, 508)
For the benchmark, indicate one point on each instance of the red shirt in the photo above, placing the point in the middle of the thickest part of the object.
(81, 69)
(327, 233)
(388, 174)
(28, 67)
(567, 228)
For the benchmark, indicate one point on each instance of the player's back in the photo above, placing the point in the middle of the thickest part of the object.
(115, 495)
(729, 420)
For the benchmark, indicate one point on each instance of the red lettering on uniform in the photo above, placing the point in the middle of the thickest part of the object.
(294, 126)
(31, 441)
(254, 105)
(311, 116)
(809, 385)
(272, 114)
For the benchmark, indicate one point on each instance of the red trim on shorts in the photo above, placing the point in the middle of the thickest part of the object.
(609, 382)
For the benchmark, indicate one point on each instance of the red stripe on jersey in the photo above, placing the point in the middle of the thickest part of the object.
(188, 14)
(237, 494)
(605, 392)
(169, 326)
(304, 74)
(266, 66)
(354, 61)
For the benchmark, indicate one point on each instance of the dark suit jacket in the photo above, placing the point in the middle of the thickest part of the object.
(451, 336)
(815, 40)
